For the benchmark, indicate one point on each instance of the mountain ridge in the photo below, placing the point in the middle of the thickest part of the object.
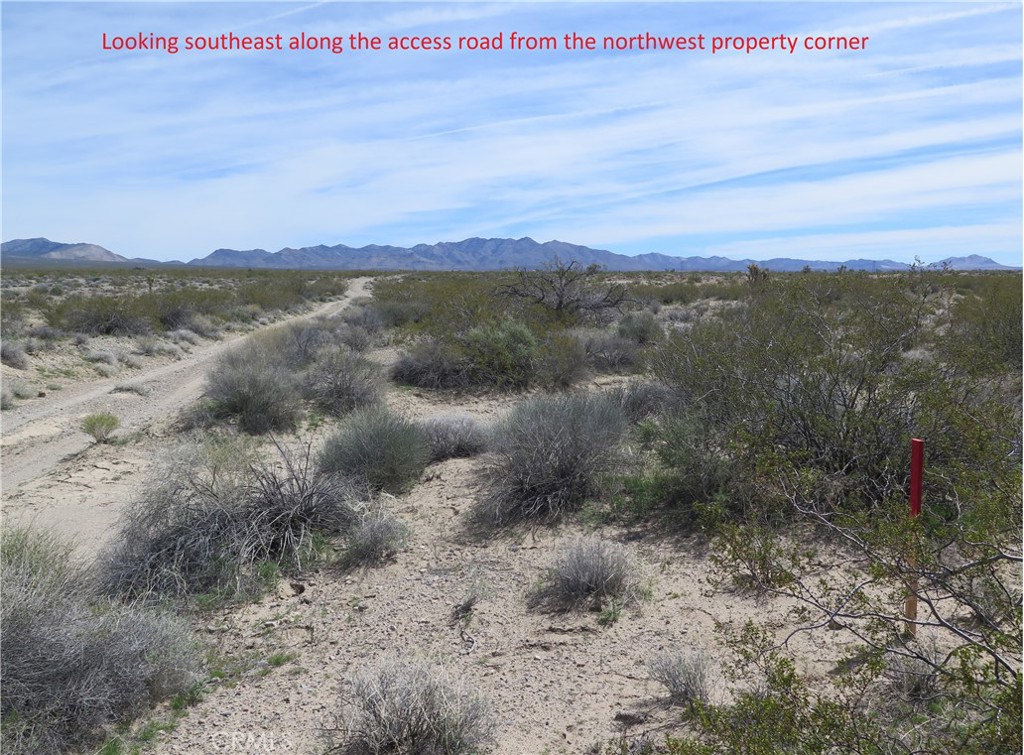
(470, 254)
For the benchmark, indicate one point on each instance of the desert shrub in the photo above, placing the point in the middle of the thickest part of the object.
(431, 363)
(93, 356)
(641, 399)
(101, 315)
(354, 337)
(453, 436)
(409, 707)
(139, 389)
(550, 454)
(74, 664)
(100, 426)
(250, 385)
(500, 356)
(378, 448)
(340, 381)
(213, 517)
(591, 573)
(684, 675)
(365, 318)
(375, 538)
(640, 327)
(611, 353)
(13, 355)
(560, 361)
(296, 345)
(185, 335)
(6, 397)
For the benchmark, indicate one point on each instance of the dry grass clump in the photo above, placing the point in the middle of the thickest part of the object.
(340, 381)
(248, 383)
(214, 520)
(73, 664)
(550, 454)
(13, 355)
(454, 436)
(591, 573)
(378, 448)
(411, 708)
(686, 676)
(375, 539)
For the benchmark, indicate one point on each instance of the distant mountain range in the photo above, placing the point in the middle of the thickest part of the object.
(470, 254)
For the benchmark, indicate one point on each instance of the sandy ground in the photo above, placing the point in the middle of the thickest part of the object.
(53, 474)
(556, 682)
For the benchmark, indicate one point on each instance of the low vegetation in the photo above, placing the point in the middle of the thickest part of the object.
(74, 663)
(549, 455)
(376, 448)
(100, 426)
(590, 573)
(217, 521)
(410, 707)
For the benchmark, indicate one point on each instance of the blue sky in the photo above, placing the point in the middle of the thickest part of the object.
(910, 148)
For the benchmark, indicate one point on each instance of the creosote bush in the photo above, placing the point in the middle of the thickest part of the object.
(377, 448)
(74, 663)
(214, 518)
(409, 707)
(591, 573)
(454, 435)
(550, 454)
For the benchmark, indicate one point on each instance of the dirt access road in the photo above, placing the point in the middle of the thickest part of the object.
(42, 448)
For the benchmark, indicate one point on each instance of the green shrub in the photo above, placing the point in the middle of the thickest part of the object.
(409, 707)
(100, 426)
(550, 454)
(377, 448)
(247, 383)
(74, 664)
(641, 328)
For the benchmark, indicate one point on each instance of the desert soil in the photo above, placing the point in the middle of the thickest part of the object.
(556, 682)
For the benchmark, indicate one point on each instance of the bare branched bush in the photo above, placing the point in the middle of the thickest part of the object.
(686, 676)
(340, 381)
(411, 708)
(375, 538)
(550, 454)
(591, 573)
(378, 448)
(453, 436)
(73, 664)
(213, 515)
(248, 384)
